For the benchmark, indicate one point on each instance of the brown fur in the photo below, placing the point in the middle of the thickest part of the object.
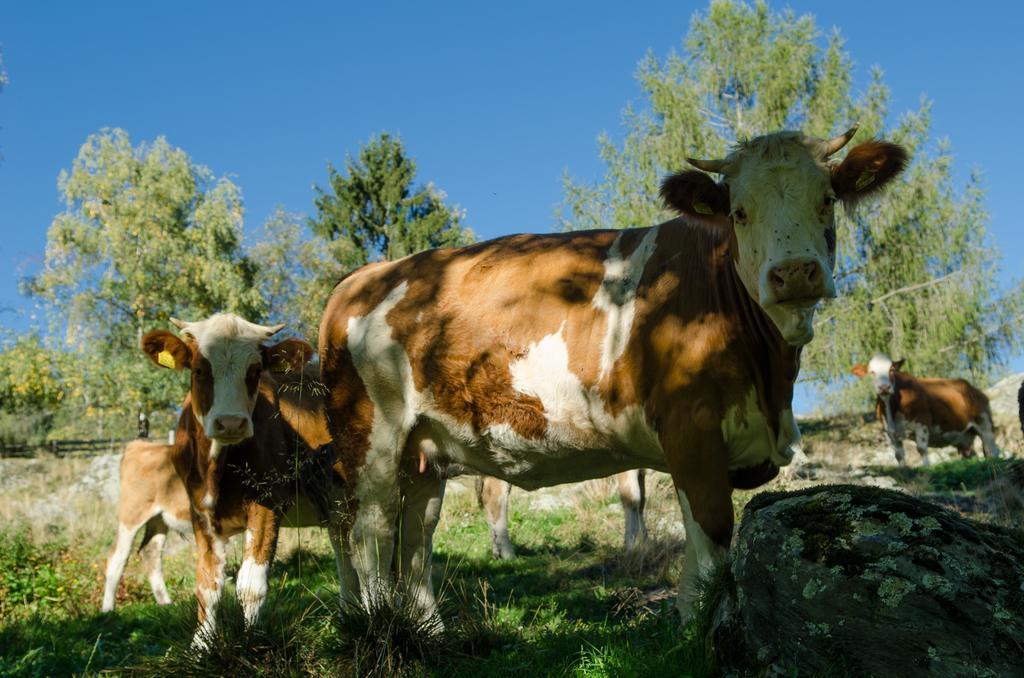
(256, 480)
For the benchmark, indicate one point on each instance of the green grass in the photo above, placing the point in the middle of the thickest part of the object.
(568, 606)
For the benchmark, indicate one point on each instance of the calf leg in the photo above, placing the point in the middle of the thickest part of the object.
(260, 544)
(633, 496)
(210, 557)
(988, 436)
(153, 549)
(493, 496)
(422, 495)
(116, 561)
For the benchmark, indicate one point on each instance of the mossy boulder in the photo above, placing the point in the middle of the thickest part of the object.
(853, 580)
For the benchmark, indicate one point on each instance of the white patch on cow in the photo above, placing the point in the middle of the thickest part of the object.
(207, 502)
(578, 426)
(703, 555)
(209, 598)
(617, 295)
(215, 448)
(175, 523)
(384, 368)
(751, 439)
(251, 586)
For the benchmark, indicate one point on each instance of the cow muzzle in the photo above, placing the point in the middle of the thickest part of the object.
(231, 429)
(797, 281)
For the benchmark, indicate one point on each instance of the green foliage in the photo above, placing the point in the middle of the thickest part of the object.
(916, 269)
(298, 270)
(145, 234)
(375, 207)
(30, 377)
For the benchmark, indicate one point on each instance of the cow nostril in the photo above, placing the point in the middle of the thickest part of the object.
(777, 280)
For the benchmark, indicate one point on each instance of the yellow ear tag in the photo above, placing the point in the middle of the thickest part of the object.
(865, 179)
(166, 359)
(702, 207)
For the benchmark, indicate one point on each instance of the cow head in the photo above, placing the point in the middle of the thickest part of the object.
(777, 197)
(226, 356)
(883, 373)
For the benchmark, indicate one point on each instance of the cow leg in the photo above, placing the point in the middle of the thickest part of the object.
(988, 436)
(633, 496)
(372, 538)
(896, 441)
(698, 462)
(493, 496)
(921, 439)
(210, 557)
(422, 495)
(348, 581)
(260, 544)
(116, 562)
(153, 549)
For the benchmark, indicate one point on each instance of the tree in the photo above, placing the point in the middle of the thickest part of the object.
(145, 234)
(375, 207)
(915, 271)
(297, 271)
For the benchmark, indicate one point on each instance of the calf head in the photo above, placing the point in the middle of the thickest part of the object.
(226, 356)
(777, 198)
(883, 374)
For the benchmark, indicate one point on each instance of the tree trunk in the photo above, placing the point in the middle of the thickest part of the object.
(851, 580)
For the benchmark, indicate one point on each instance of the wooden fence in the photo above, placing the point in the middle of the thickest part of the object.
(64, 448)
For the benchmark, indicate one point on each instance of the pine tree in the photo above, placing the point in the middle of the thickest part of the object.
(375, 207)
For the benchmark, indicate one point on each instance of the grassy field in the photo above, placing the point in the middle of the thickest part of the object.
(572, 604)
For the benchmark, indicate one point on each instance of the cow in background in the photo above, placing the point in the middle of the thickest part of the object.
(248, 447)
(554, 358)
(493, 496)
(151, 496)
(934, 412)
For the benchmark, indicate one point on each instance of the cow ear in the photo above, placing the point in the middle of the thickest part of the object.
(167, 350)
(695, 194)
(859, 370)
(286, 356)
(897, 365)
(867, 168)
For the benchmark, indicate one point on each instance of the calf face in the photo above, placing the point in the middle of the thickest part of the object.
(777, 196)
(225, 355)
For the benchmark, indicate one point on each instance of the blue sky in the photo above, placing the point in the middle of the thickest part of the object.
(494, 100)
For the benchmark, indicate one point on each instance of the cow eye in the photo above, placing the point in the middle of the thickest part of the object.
(739, 214)
(830, 200)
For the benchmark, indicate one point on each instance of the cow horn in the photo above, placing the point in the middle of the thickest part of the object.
(180, 324)
(835, 143)
(265, 331)
(715, 166)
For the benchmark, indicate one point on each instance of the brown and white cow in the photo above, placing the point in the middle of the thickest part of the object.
(247, 446)
(545, 359)
(151, 496)
(493, 495)
(934, 412)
